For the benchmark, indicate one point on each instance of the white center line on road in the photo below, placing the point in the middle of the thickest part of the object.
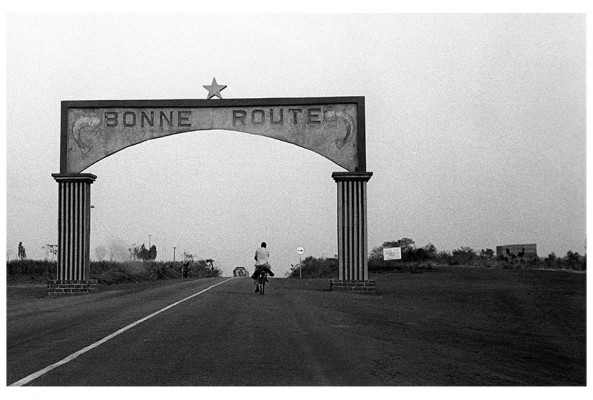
(72, 356)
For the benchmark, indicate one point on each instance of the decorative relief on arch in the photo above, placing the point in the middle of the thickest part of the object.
(332, 127)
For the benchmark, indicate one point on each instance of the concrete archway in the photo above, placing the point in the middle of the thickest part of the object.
(333, 127)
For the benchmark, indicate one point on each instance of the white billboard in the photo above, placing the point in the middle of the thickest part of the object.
(392, 253)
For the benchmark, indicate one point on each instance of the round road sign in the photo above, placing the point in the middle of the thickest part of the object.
(300, 250)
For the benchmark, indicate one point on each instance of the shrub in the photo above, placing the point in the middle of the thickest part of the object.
(107, 272)
(32, 270)
(114, 273)
(312, 267)
(161, 270)
(463, 256)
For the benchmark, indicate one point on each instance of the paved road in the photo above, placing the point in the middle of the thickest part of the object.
(225, 336)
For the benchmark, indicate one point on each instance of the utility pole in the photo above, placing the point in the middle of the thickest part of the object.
(174, 253)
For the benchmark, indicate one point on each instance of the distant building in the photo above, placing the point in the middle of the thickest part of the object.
(529, 250)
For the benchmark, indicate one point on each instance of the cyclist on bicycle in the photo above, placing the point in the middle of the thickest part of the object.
(261, 257)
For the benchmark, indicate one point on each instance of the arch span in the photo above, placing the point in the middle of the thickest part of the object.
(330, 126)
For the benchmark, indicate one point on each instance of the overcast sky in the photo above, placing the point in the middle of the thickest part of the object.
(475, 130)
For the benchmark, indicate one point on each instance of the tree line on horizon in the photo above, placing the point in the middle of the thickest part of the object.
(465, 255)
(113, 272)
(411, 254)
(423, 258)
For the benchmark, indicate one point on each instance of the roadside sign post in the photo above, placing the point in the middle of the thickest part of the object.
(300, 252)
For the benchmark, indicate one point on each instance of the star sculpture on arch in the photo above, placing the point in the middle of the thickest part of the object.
(214, 89)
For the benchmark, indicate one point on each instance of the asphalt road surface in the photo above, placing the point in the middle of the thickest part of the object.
(225, 336)
(447, 327)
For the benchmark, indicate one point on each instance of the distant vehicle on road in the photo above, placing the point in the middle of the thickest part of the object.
(240, 271)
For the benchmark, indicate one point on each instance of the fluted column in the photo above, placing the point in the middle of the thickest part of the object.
(74, 227)
(352, 229)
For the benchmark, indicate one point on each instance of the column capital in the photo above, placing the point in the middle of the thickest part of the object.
(89, 178)
(352, 176)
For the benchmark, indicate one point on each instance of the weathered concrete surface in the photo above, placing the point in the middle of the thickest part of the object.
(327, 129)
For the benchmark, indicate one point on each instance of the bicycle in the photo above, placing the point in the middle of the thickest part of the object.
(261, 282)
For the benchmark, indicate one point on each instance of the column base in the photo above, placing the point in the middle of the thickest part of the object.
(58, 288)
(352, 286)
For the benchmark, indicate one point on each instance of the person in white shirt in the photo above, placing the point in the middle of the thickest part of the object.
(262, 255)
